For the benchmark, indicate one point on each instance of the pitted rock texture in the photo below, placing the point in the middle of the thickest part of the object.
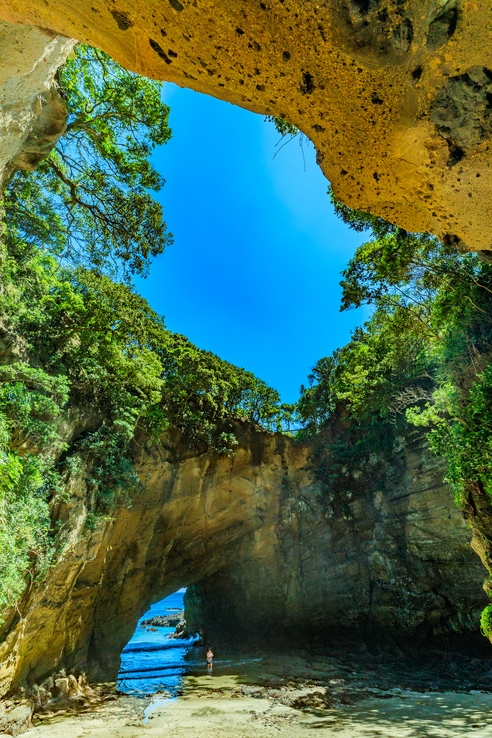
(32, 112)
(252, 532)
(384, 88)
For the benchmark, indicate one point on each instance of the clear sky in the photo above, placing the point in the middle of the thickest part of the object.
(254, 270)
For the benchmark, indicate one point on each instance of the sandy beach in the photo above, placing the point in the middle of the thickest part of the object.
(222, 707)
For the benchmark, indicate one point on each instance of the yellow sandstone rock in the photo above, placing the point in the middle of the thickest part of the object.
(394, 95)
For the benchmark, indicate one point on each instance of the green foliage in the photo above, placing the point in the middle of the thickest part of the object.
(423, 357)
(202, 392)
(361, 221)
(370, 375)
(486, 621)
(361, 388)
(30, 402)
(283, 127)
(89, 201)
(90, 345)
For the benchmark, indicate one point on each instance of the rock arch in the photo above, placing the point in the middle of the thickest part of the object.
(370, 82)
(253, 531)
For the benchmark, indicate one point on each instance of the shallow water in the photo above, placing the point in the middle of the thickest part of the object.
(153, 663)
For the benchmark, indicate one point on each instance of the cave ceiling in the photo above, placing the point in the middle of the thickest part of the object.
(396, 96)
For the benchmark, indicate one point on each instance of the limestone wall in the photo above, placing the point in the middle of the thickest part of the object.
(32, 112)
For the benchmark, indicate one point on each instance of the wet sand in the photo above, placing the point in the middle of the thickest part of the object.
(225, 707)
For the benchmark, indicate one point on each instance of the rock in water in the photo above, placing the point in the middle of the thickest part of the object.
(164, 621)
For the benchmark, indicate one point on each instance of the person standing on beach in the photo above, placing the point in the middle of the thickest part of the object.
(210, 661)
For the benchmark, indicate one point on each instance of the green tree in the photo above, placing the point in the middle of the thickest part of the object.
(90, 201)
(424, 356)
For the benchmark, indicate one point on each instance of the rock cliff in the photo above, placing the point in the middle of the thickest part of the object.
(252, 531)
(395, 565)
(395, 95)
(32, 112)
(397, 98)
(183, 529)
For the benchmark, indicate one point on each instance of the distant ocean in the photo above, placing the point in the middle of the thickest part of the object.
(151, 661)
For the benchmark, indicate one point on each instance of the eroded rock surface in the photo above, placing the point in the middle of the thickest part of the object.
(32, 112)
(183, 529)
(252, 530)
(388, 565)
(394, 95)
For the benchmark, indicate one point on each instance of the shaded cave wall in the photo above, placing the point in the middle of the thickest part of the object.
(395, 566)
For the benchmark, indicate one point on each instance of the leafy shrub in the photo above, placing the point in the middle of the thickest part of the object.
(486, 621)
(30, 402)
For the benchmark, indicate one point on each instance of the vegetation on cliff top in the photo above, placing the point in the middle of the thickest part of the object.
(74, 339)
(423, 359)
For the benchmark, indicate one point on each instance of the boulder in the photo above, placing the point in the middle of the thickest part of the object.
(16, 720)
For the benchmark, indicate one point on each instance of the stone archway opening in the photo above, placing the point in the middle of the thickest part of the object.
(159, 651)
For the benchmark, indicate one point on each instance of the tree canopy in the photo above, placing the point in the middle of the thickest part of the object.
(423, 357)
(91, 200)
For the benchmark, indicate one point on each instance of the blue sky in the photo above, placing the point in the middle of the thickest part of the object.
(254, 270)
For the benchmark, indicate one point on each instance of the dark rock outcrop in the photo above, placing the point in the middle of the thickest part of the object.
(165, 621)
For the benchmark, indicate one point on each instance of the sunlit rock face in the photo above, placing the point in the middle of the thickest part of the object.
(32, 112)
(394, 94)
(252, 531)
(183, 528)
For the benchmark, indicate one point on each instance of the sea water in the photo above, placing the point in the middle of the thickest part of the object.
(152, 661)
